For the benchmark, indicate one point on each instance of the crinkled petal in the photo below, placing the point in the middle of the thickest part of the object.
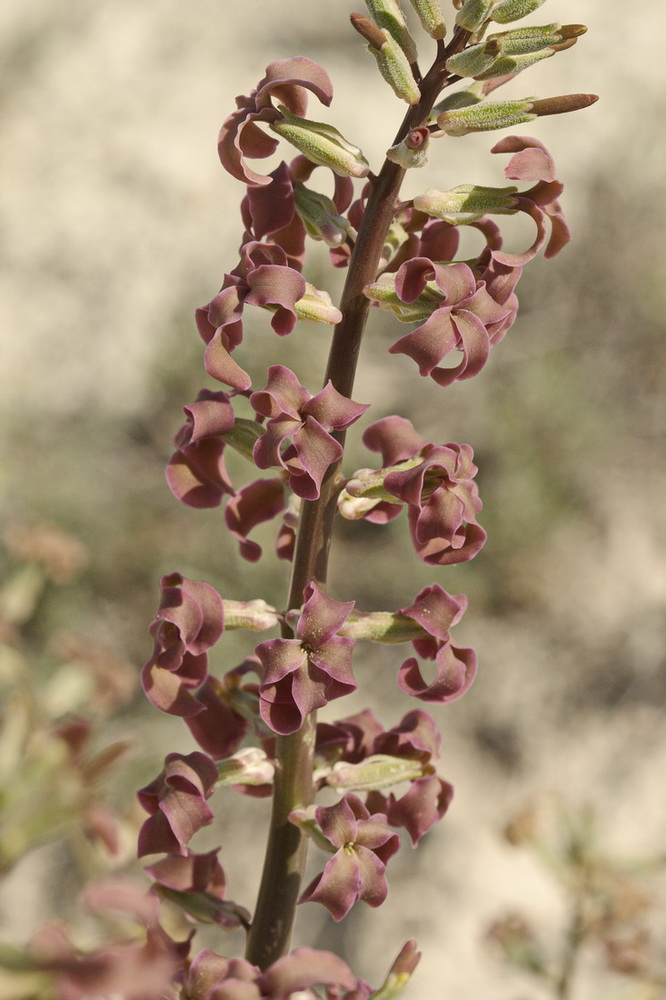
(531, 162)
(260, 501)
(197, 476)
(395, 438)
(305, 967)
(316, 451)
(277, 288)
(456, 670)
(321, 616)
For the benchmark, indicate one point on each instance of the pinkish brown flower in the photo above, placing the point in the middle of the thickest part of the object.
(189, 621)
(307, 421)
(305, 673)
(177, 803)
(287, 81)
(363, 845)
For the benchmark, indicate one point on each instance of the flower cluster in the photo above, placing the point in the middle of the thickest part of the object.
(256, 723)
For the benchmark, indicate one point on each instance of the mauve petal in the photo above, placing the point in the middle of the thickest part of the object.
(266, 450)
(333, 410)
(470, 539)
(440, 517)
(436, 610)
(197, 475)
(539, 217)
(412, 277)
(210, 414)
(456, 670)
(212, 609)
(217, 729)
(473, 341)
(421, 807)
(321, 616)
(260, 501)
(157, 837)
(288, 80)
(279, 657)
(279, 709)
(395, 438)
(431, 342)
(333, 660)
(371, 870)
(190, 873)
(305, 967)
(439, 240)
(316, 451)
(221, 366)
(283, 395)
(531, 162)
(206, 970)
(337, 887)
(416, 733)
(339, 821)
(166, 691)
(273, 285)
(271, 207)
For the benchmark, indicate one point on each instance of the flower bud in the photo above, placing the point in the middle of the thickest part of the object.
(431, 17)
(412, 151)
(316, 306)
(512, 10)
(387, 14)
(320, 217)
(486, 116)
(249, 766)
(467, 203)
(252, 615)
(506, 65)
(375, 772)
(522, 40)
(399, 973)
(474, 59)
(322, 144)
(396, 70)
(562, 105)
(473, 14)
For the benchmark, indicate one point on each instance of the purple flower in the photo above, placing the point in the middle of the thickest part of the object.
(363, 845)
(189, 621)
(176, 802)
(305, 673)
(423, 804)
(464, 318)
(196, 473)
(288, 81)
(436, 612)
(532, 162)
(293, 413)
(262, 278)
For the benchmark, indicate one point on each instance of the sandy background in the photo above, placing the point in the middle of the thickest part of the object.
(116, 220)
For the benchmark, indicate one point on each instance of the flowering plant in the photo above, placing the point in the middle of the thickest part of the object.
(260, 734)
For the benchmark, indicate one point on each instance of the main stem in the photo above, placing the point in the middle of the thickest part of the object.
(270, 934)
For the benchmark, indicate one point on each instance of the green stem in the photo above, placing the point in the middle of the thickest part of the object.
(270, 934)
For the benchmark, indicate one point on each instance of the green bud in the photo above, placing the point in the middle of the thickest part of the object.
(384, 294)
(512, 10)
(466, 98)
(474, 60)
(320, 217)
(431, 17)
(485, 116)
(473, 14)
(396, 70)
(322, 144)
(387, 14)
(375, 772)
(466, 203)
(523, 40)
(249, 766)
(387, 627)
(206, 908)
(252, 615)
(514, 64)
(316, 306)
(412, 151)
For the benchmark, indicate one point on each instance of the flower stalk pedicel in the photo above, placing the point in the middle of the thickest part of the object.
(257, 724)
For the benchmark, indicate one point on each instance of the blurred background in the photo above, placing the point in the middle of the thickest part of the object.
(116, 221)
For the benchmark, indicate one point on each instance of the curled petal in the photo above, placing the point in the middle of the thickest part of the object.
(395, 438)
(197, 476)
(303, 968)
(456, 670)
(531, 160)
(260, 501)
(277, 288)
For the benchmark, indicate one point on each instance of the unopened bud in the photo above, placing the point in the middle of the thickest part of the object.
(373, 773)
(474, 13)
(249, 766)
(387, 14)
(520, 41)
(466, 203)
(431, 17)
(322, 144)
(320, 217)
(486, 116)
(474, 60)
(412, 151)
(252, 615)
(396, 70)
(399, 973)
(512, 10)
(316, 306)
(506, 65)
(561, 105)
